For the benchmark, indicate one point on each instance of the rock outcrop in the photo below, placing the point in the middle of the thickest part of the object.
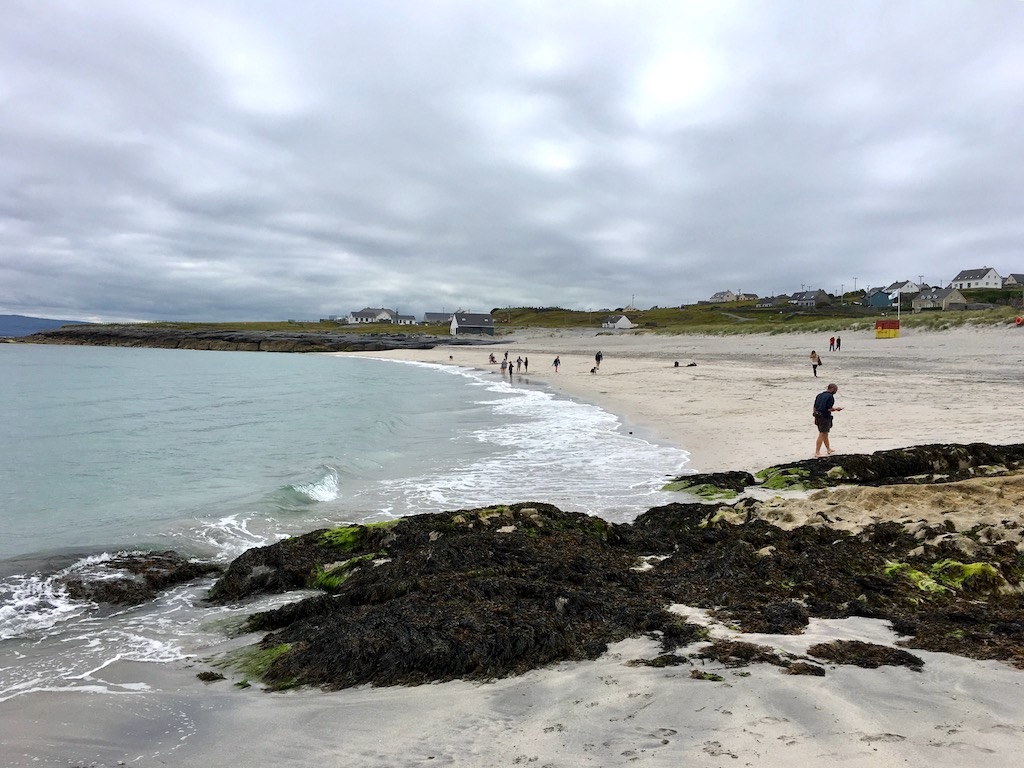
(937, 463)
(492, 592)
(142, 335)
(134, 578)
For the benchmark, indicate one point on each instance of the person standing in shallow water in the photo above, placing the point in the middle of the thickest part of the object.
(824, 407)
(526, 365)
(815, 362)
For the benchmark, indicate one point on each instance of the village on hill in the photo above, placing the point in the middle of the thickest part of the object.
(980, 288)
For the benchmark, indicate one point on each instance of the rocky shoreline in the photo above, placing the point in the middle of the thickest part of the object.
(240, 340)
(497, 591)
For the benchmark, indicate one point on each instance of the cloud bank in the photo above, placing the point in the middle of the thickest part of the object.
(251, 160)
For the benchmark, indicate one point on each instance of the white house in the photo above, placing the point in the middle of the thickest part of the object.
(380, 315)
(722, 296)
(986, 277)
(1013, 280)
(619, 322)
(902, 287)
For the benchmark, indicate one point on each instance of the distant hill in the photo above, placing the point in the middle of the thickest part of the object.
(22, 325)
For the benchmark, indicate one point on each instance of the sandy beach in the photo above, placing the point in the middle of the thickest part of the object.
(745, 404)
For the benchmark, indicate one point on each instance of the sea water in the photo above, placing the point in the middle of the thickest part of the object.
(108, 450)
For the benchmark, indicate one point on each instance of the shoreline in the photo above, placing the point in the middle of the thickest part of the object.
(737, 408)
(746, 402)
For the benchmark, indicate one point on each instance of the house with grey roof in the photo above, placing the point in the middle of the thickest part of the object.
(380, 315)
(986, 277)
(811, 299)
(768, 302)
(1013, 280)
(939, 298)
(902, 288)
(877, 297)
(470, 323)
(618, 322)
(436, 318)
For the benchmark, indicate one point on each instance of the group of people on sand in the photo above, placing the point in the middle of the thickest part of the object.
(522, 364)
(519, 365)
(835, 343)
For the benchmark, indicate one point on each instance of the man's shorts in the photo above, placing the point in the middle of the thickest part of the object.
(824, 423)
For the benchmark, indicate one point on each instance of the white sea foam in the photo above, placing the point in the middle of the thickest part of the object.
(551, 449)
(326, 488)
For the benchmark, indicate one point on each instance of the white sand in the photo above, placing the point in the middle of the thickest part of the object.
(747, 402)
(745, 405)
(953, 713)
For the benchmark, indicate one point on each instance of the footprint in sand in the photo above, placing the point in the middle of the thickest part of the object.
(659, 737)
(872, 737)
(715, 749)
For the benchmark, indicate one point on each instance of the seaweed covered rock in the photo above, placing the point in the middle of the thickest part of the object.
(295, 563)
(919, 464)
(712, 485)
(867, 655)
(133, 578)
(491, 592)
(471, 594)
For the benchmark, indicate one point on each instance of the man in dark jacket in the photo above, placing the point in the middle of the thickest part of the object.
(824, 407)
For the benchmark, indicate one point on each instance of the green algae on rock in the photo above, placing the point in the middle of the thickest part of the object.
(936, 463)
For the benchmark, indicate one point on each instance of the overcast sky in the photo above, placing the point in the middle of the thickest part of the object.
(267, 160)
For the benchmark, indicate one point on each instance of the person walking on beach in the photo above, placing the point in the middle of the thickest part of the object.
(815, 362)
(526, 365)
(597, 359)
(832, 344)
(839, 343)
(557, 363)
(824, 407)
(519, 364)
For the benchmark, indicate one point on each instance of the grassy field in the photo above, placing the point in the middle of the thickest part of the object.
(740, 318)
(732, 318)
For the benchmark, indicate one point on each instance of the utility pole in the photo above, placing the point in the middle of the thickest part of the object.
(855, 285)
(842, 294)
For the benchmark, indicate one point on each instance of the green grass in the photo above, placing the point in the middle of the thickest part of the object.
(741, 317)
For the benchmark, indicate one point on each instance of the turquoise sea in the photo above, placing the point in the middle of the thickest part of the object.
(107, 450)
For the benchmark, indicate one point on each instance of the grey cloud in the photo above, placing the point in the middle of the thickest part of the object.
(246, 160)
